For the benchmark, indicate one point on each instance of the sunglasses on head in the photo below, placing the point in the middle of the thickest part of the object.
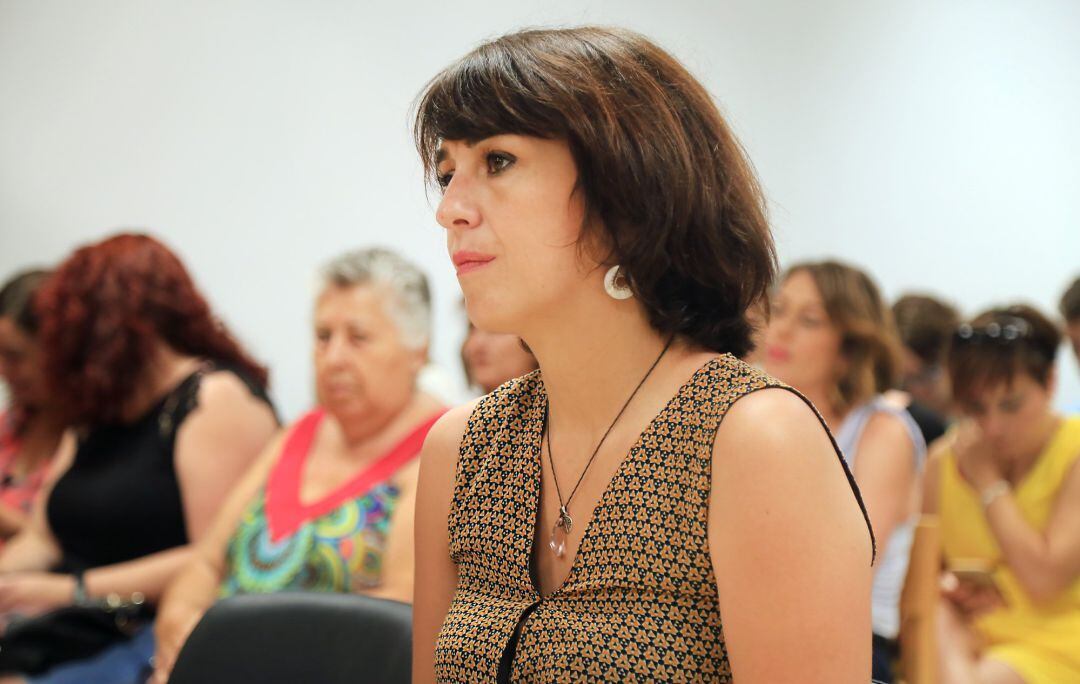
(1005, 330)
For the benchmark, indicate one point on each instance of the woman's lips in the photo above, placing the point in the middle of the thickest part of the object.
(777, 354)
(467, 262)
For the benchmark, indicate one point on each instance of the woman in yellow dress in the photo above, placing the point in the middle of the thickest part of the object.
(1007, 490)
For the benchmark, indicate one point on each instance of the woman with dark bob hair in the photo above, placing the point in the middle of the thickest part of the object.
(592, 520)
(1005, 486)
(167, 411)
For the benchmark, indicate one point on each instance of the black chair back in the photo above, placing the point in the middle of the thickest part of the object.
(299, 638)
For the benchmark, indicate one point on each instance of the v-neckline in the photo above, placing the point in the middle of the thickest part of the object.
(284, 489)
(539, 407)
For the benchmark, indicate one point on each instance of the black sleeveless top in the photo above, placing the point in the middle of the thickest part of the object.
(120, 500)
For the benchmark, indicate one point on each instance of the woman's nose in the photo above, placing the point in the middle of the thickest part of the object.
(458, 208)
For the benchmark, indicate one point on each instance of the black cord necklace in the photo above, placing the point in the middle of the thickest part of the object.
(565, 523)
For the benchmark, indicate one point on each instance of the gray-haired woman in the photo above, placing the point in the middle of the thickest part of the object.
(372, 325)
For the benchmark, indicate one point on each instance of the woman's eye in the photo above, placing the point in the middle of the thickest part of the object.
(443, 179)
(498, 162)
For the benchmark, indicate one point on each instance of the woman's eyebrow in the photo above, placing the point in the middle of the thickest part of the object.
(441, 154)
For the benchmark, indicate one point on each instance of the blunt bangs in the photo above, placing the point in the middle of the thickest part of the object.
(488, 92)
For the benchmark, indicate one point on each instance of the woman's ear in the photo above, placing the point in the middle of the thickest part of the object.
(843, 362)
(420, 358)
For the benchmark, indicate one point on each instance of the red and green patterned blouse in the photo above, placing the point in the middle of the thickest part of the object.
(335, 544)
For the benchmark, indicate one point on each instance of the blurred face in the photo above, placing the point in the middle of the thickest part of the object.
(1012, 416)
(363, 371)
(928, 385)
(802, 347)
(512, 219)
(493, 358)
(1072, 328)
(20, 365)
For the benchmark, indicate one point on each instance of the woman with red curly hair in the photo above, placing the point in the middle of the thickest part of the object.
(168, 410)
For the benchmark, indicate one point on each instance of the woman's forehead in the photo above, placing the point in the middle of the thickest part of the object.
(362, 299)
(800, 288)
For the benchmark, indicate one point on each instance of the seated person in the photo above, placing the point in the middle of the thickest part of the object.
(1006, 489)
(168, 411)
(925, 325)
(31, 426)
(831, 337)
(490, 359)
(329, 506)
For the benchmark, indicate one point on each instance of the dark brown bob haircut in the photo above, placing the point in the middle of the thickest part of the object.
(999, 344)
(668, 191)
(869, 344)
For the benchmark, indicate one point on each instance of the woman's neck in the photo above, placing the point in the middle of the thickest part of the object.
(822, 397)
(163, 371)
(1014, 469)
(593, 355)
(40, 437)
(361, 438)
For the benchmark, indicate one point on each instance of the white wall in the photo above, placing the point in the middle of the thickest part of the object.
(933, 143)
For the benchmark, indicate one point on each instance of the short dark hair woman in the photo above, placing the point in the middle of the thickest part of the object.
(1006, 488)
(592, 520)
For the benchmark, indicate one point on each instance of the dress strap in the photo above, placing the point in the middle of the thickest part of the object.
(284, 480)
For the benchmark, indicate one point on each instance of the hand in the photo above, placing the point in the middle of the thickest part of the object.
(33, 593)
(972, 600)
(171, 629)
(975, 456)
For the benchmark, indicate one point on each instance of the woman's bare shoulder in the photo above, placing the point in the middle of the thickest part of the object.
(770, 420)
(773, 453)
(438, 458)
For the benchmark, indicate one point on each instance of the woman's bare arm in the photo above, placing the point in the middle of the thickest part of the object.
(216, 446)
(790, 548)
(436, 574)
(195, 587)
(217, 442)
(34, 547)
(1046, 561)
(399, 557)
(886, 473)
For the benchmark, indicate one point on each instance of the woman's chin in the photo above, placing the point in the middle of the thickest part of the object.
(490, 317)
(342, 408)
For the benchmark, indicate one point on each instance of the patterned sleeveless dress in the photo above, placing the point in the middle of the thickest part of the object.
(640, 602)
(335, 544)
